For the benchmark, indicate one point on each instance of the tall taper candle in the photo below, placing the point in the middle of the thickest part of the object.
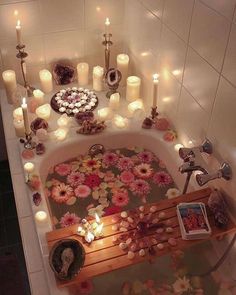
(18, 32)
(107, 25)
(25, 115)
(155, 90)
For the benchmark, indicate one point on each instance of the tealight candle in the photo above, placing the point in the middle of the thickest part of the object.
(44, 111)
(46, 80)
(134, 106)
(61, 134)
(122, 61)
(155, 90)
(9, 81)
(39, 96)
(29, 167)
(19, 127)
(98, 73)
(63, 121)
(114, 101)
(120, 122)
(82, 72)
(133, 88)
(41, 216)
(25, 116)
(18, 114)
(104, 114)
(18, 32)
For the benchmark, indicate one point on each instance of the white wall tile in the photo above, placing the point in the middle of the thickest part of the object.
(229, 69)
(156, 7)
(209, 34)
(201, 80)
(38, 283)
(177, 14)
(225, 8)
(173, 52)
(58, 15)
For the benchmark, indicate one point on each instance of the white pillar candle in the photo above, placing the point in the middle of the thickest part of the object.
(18, 32)
(39, 96)
(98, 73)
(155, 90)
(9, 80)
(104, 114)
(114, 101)
(29, 167)
(44, 111)
(83, 72)
(18, 114)
(19, 127)
(107, 26)
(133, 88)
(120, 121)
(25, 116)
(122, 61)
(46, 80)
(134, 106)
(41, 216)
(60, 134)
(63, 121)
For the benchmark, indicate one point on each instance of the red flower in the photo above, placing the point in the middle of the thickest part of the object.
(112, 210)
(92, 180)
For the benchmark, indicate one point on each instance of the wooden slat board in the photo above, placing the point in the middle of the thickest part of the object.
(103, 255)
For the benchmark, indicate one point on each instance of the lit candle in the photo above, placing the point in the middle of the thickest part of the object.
(114, 101)
(178, 146)
(18, 32)
(98, 73)
(89, 237)
(133, 88)
(63, 121)
(120, 122)
(107, 26)
(97, 218)
(60, 134)
(155, 90)
(98, 230)
(134, 106)
(9, 80)
(41, 216)
(18, 114)
(39, 96)
(122, 61)
(29, 167)
(25, 115)
(46, 80)
(104, 114)
(82, 72)
(19, 127)
(44, 111)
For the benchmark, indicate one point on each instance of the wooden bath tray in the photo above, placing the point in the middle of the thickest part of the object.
(103, 256)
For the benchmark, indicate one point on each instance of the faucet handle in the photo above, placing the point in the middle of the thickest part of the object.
(206, 147)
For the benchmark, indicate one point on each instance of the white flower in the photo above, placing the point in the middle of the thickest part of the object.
(181, 285)
(94, 210)
(172, 193)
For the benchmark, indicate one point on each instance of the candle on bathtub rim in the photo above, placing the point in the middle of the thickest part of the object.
(19, 127)
(114, 101)
(44, 111)
(9, 81)
(104, 114)
(18, 114)
(18, 32)
(61, 133)
(41, 216)
(98, 73)
(155, 90)
(122, 64)
(133, 88)
(46, 80)
(29, 167)
(120, 121)
(25, 116)
(107, 26)
(63, 121)
(83, 72)
(134, 106)
(39, 96)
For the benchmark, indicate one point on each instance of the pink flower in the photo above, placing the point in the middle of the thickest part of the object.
(109, 176)
(162, 124)
(82, 191)
(69, 219)
(127, 176)
(143, 170)
(145, 156)
(62, 193)
(110, 159)
(112, 210)
(92, 180)
(63, 169)
(120, 198)
(85, 287)
(162, 178)
(140, 187)
(34, 182)
(170, 136)
(125, 163)
(75, 178)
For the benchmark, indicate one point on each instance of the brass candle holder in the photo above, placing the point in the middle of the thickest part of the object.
(29, 144)
(107, 43)
(22, 56)
(148, 122)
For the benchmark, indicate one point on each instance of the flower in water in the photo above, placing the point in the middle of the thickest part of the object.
(110, 159)
(62, 193)
(143, 170)
(63, 169)
(140, 187)
(125, 163)
(127, 176)
(92, 180)
(172, 193)
(91, 164)
(82, 191)
(109, 176)
(145, 157)
(162, 178)
(120, 198)
(75, 178)
(69, 219)
(181, 285)
(96, 210)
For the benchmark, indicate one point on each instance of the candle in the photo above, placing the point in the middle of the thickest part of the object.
(9, 80)
(41, 216)
(39, 96)
(134, 106)
(63, 121)
(155, 90)
(44, 111)
(114, 101)
(29, 167)
(104, 114)
(120, 122)
(18, 114)
(61, 134)
(89, 237)
(98, 73)
(46, 80)
(122, 61)
(82, 71)
(107, 26)
(97, 218)
(19, 127)
(98, 230)
(178, 146)
(25, 116)
(133, 88)
(18, 32)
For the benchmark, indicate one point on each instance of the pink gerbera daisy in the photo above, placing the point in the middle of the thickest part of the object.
(125, 163)
(110, 159)
(63, 169)
(143, 170)
(127, 176)
(82, 191)
(69, 219)
(75, 178)
(145, 156)
(120, 198)
(162, 178)
(92, 180)
(62, 193)
(140, 187)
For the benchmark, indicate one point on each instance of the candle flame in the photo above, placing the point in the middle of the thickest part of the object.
(155, 77)
(16, 12)
(97, 218)
(107, 22)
